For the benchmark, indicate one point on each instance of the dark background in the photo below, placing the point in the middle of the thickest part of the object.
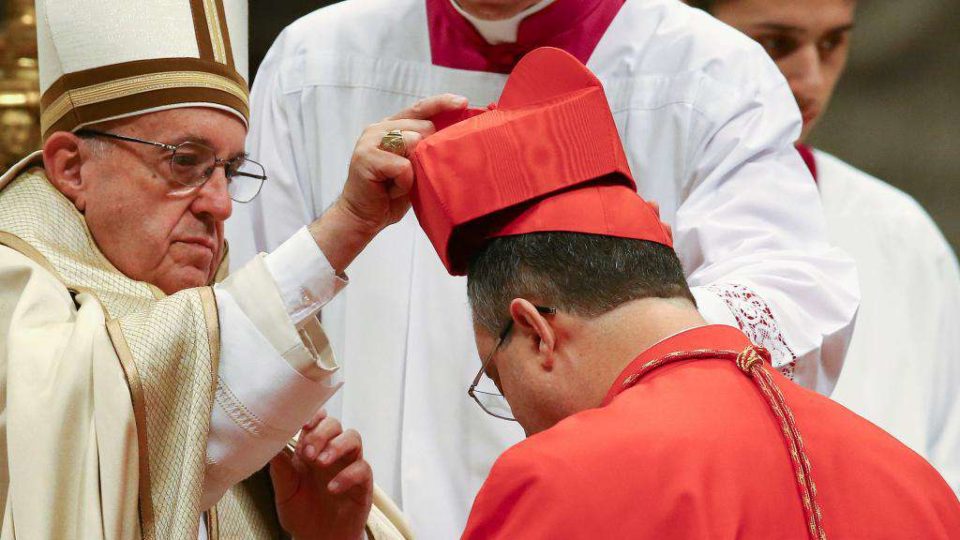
(268, 18)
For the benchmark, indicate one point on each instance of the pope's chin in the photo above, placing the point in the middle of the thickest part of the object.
(192, 266)
(182, 277)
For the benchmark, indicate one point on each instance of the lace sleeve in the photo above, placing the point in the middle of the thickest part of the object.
(756, 320)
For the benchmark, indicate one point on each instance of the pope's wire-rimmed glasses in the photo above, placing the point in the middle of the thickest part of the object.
(192, 165)
(493, 403)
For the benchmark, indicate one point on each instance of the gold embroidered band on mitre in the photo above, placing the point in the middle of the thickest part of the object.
(78, 99)
(169, 349)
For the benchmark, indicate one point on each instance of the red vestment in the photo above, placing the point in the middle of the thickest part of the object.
(693, 450)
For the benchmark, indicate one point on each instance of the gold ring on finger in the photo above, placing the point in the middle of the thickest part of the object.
(393, 142)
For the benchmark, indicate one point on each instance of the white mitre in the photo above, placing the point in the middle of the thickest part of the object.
(107, 59)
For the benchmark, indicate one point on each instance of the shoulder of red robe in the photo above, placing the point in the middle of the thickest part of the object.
(107, 59)
(546, 158)
(522, 482)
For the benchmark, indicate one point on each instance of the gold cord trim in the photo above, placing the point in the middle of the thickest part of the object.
(751, 361)
(747, 359)
(212, 318)
(216, 36)
(134, 382)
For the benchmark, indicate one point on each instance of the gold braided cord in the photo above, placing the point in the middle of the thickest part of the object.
(748, 358)
(751, 362)
(801, 464)
(216, 36)
(801, 461)
(139, 84)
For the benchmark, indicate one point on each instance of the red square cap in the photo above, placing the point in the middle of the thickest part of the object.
(546, 158)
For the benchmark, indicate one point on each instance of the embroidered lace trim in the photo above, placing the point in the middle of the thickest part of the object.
(756, 320)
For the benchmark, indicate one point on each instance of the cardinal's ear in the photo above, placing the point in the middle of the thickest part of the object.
(532, 320)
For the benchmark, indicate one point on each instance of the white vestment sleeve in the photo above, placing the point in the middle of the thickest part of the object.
(276, 367)
(752, 235)
(303, 275)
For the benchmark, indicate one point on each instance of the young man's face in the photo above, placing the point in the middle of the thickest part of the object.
(809, 40)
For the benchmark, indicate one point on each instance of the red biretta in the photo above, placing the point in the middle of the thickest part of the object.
(698, 437)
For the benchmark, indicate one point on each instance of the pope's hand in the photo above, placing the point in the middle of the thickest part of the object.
(376, 193)
(379, 181)
(325, 490)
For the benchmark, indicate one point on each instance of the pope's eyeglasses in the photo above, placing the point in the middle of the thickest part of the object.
(493, 403)
(192, 165)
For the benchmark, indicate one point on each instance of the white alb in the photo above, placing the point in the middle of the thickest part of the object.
(902, 371)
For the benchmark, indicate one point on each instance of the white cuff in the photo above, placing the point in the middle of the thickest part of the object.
(303, 275)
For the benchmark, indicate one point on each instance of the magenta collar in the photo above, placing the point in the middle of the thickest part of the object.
(808, 158)
(575, 26)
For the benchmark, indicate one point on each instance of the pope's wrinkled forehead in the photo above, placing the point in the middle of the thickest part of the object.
(108, 59)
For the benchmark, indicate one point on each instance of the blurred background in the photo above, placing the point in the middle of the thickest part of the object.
(894, 114)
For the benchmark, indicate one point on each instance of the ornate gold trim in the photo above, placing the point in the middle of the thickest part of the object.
(140, 417)
(215, 27)
(139, 84)
(225, 33)
(212, 318)
(213, 523)
(204, 46)
(17, 244)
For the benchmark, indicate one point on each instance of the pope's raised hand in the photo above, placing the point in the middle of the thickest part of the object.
(379, 181)
(376, 193)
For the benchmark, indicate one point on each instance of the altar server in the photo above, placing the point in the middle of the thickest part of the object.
(908, 272)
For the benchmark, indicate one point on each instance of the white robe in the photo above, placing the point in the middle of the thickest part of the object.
(708, 124)
(902, 370)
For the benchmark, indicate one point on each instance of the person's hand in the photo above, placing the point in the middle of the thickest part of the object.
(376, 193)
(379, 181)
(324, 490)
